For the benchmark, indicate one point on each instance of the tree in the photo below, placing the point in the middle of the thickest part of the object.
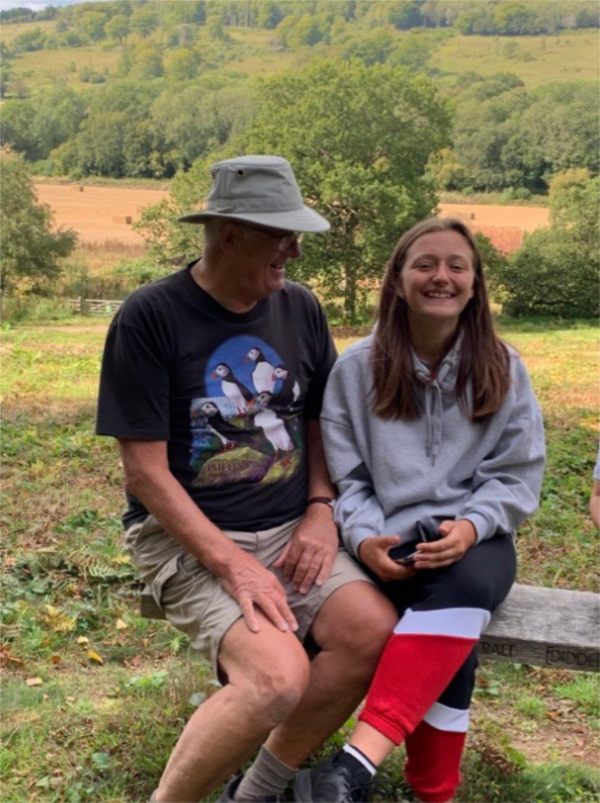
(92, 24)
(556, 270)
(148, 63)
(196, 120)
(59, 111)
(35, 126)
(558, 131)
(181, 64)
(144, 19)
(5, 67)
(30, 251)
(365, 176)
(117, 27)
(485, 120)
(116, 138)
(269, 14)
(17, 127)
(371, 47)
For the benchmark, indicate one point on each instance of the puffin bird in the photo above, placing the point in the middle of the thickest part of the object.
(217, 425)
(273, 427)
(229, 435)
(232, 388)
(289, 390)
(262, 374)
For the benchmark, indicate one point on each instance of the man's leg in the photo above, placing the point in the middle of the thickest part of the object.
(351, 629)
(268, 673)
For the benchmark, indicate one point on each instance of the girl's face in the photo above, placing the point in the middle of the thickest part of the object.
(438, 277)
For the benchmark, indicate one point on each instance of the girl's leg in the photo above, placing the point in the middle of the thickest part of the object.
(435, 636)
(434, 749)
(431, 642)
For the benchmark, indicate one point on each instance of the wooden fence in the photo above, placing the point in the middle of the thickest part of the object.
(94, 306)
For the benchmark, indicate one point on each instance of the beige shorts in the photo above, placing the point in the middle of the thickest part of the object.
(194, 600)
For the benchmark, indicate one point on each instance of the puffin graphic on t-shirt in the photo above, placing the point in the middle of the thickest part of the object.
(248, 426)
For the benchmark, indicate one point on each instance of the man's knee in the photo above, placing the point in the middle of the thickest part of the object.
(282, 684)
(272, 687)
(357, 619)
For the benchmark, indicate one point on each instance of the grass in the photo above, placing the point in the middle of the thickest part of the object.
(9, 32)
(495, 198)
(39, 68)
(42, 67)
(536, 60)
(94, 696)
(136, 183)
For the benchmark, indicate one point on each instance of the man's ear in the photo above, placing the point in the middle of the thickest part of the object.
(229, 235)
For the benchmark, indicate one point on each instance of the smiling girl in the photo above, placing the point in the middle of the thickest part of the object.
(430, 424)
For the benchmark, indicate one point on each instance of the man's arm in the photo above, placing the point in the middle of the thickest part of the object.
(148, 477)
(309, 556)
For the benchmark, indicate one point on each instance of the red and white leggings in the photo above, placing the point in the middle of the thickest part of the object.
(421, 691)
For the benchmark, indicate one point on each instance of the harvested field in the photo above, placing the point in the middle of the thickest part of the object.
(99, 214)
(504, 225)
(526, 218)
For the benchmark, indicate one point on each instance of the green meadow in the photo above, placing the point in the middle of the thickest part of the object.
(536, 60)
(94, 696)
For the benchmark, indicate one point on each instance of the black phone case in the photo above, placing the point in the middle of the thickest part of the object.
(401, 552)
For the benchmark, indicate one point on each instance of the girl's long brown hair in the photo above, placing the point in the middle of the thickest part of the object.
(484, 360)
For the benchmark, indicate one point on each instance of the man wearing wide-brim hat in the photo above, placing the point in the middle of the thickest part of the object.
(212, 382)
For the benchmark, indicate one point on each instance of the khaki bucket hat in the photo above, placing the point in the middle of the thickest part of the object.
(258, 189)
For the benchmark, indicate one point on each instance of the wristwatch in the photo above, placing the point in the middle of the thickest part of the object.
(321, 500)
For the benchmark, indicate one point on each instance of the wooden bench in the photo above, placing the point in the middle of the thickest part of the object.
(539, 626)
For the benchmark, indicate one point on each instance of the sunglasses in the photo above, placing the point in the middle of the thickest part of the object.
(287, 239)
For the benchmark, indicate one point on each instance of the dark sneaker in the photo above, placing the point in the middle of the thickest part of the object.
(328, 783)
(228, 795)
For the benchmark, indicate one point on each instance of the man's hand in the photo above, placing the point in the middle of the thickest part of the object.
(373, 552)
(310, 553)
(254, 586)
(458, 537)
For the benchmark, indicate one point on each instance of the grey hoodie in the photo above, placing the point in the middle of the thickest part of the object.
(391, 474)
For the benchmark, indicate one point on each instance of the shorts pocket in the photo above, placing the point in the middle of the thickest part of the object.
(164, 574)
(189, 566)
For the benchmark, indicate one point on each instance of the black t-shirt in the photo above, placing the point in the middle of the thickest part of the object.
(228, 392)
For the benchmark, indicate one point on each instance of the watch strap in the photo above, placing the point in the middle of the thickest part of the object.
(320, 500)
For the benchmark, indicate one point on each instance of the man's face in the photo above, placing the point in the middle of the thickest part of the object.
(264, 253)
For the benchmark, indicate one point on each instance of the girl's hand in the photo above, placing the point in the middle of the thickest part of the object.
(373, 552)
(458, 537)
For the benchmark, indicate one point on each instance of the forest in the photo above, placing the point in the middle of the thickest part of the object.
(165, 83)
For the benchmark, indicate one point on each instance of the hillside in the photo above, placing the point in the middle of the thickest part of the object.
(535, 60)
(145, 90)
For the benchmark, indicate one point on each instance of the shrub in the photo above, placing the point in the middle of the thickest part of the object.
(555, 272)
(16, 309)
(552, 275)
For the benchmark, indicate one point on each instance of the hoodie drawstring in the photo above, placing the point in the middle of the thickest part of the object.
(434, 416)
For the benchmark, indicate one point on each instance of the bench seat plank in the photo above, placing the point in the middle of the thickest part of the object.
(546, 627)
(539, 626)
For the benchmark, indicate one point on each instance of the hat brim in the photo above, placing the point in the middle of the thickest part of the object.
(305, 219)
